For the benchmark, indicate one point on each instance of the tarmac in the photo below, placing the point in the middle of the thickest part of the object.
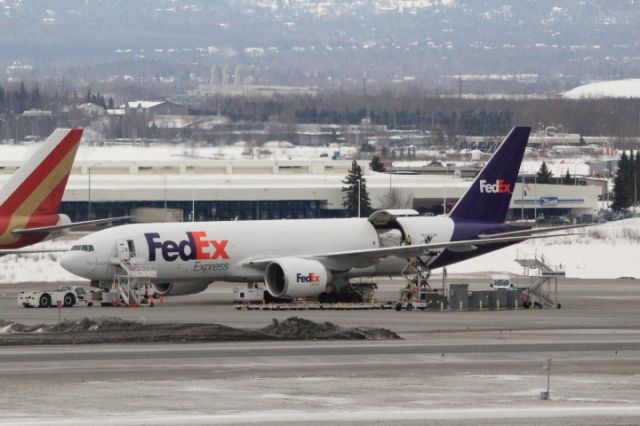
(458, 368)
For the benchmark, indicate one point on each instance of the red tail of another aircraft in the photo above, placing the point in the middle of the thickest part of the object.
(31, 197)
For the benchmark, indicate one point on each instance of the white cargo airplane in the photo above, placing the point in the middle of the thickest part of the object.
(309, 257)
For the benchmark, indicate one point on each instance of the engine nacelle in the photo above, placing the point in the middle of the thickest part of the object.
(294, 278)
(180, 288)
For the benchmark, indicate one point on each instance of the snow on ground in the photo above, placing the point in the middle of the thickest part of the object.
(610, 250)
(41, 267)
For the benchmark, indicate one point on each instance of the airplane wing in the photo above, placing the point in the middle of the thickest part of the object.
(54, 228)
(363, 257)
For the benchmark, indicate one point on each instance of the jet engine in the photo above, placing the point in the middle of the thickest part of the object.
(180, 288)
(294, 278)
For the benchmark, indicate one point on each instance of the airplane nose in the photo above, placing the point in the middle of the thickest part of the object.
(66, 261)
(70, 262)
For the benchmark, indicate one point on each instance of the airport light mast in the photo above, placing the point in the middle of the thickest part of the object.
(89, 212)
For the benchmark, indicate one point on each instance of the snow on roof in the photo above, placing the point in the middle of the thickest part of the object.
(629, 88)
(144, 104)
(178, 152)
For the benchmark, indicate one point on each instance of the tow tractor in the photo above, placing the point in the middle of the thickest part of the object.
(66, 296)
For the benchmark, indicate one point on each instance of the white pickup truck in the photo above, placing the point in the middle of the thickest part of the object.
(65, 296)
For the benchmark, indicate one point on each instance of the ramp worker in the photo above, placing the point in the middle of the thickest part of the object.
(408, 240)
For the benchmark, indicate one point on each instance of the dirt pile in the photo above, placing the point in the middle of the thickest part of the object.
(70, 326)
(295, 328)
(116, 330)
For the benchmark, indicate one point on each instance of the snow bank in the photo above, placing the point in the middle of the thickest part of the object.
(610, 250)
(40, 267)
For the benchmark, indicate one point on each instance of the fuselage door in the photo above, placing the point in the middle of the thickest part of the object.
(123, 250)
(132, 248)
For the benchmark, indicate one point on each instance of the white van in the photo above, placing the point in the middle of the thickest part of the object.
(501, 282)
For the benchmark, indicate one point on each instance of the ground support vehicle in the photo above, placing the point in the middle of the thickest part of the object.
(67, 297)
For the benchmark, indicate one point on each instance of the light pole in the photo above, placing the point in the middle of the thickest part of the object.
(444, 187)
(359, 186)
(193, 205)
(522, 197)
(535, 199)
(635, 190)
(164, 178)
(89, 212)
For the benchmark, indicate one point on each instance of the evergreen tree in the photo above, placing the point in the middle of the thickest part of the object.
(623, 184)
(634, 177)
(411, 153)
(366, 147)
(3, 100)
(567, 178)
(384, 152)
(544, 174)
(21, 99)
(355, 183)
(36, 98)
(376, 164)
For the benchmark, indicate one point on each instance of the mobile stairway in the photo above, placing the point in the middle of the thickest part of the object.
(418, 294)
(131, 285)
(540, 288)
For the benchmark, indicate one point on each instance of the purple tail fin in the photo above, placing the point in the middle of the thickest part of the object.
(488, 198)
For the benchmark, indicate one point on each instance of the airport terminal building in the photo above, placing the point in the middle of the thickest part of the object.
(274, 189)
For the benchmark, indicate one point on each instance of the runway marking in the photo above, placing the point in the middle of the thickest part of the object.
(498, 412)
(64, 354)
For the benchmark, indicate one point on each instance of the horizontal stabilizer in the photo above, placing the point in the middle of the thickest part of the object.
(533, 231)
(31, 251)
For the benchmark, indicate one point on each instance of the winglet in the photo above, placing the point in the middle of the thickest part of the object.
(488, 198)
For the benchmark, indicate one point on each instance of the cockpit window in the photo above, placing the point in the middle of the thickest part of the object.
(84, 247)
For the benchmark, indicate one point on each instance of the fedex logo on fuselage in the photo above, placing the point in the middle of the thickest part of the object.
(500, 187)
(197, 246)
(311, 278)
